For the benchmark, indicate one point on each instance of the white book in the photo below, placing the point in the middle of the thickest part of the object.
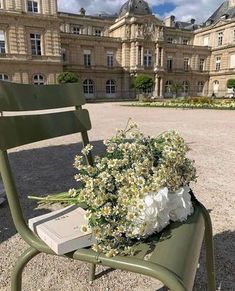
(61, 229)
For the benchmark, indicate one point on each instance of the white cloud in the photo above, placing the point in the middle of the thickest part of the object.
(185, 9)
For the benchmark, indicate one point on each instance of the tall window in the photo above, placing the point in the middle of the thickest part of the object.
(33, 6)
(147, 58)
(220, 38)
(35, 39)
(110, 59)
(4, 77)
(88, 87)
(169, 63)
(216, 87)
(38, 79)
(76, 29)
(87, 58)
(2, 42)
(185, 87)
(218, 63)
(110, 87)
(201, 65)
(168, 86)
(200, 86)
(186, 64)
(64, 54)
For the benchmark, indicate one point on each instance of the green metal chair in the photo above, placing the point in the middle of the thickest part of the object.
(172, 257)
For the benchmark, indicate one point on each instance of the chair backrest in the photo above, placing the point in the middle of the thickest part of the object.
(17, 130)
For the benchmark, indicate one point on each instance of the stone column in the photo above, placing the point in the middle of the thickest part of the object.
(162, 58)
(156, 89)
(142, 56)
(137, 53)
(161, 87)
(132, 55)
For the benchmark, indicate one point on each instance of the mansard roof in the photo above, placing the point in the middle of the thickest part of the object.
(224, 10)
(135, 7)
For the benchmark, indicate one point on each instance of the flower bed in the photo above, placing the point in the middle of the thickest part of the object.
(135, 189)
(191, 103)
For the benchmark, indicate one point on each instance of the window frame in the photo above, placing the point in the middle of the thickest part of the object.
(34, 6)
(2, 42)
(201, 64)
(168, 85)
(220, 37)
(110, 59)
(36, 44)
(200, 87)
(87, 58)
(111, 87)
(4, 77)
(186, 64)
(76, 29)
(148, 58)
(185, 87)
(218, 63)
(88, 87)
(37, 80)
(169, 64)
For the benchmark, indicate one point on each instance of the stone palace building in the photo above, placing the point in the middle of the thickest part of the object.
(108, 51)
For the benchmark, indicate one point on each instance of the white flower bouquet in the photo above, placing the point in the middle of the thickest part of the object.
(135, 189)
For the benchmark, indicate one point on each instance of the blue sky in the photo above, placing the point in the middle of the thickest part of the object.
(163, 9)
(183, 9)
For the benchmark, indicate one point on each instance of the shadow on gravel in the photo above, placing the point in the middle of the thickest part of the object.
(43, 171)
(224, 264)
(39, 172)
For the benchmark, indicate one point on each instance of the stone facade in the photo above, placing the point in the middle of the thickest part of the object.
(107, 52)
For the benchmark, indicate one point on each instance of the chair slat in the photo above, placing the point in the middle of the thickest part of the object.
(179, 247)
(19, 130)
(22, 97)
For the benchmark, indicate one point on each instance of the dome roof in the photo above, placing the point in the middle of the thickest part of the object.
(135, 7)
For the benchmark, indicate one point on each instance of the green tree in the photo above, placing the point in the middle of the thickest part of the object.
(67, 77)
(231, 84)
(144, 83)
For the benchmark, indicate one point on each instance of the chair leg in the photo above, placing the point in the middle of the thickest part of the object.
(92, 273)
(16, 278)
(210, 260)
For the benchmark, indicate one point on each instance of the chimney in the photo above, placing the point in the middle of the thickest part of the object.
(170, 21)
(192, 21)
(82, 11)
(231, 3)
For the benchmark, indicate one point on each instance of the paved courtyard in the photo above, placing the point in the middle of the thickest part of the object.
(46, 167)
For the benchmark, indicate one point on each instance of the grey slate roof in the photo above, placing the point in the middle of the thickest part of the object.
(135, 7)
(223, 10)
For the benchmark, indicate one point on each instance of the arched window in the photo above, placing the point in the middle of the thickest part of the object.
(4, 77)
(88, 87)
(185, 86)
(38, 79)
(168, 85)
(216, 87)
(200, 87)
(110, 87)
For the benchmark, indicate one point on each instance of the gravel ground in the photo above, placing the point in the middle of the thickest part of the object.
(46, 167)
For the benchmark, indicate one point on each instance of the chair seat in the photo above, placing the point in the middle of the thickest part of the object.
(160, 258)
